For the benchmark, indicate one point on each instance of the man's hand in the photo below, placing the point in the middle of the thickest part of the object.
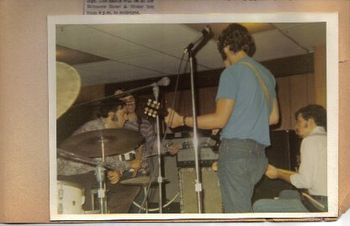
(271, 172)
(214, 132)
(214, 166)
(173, 119)
(173, 149)
(135, 164)
(113, 176)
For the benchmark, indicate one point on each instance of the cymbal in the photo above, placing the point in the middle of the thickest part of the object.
(114, 142)
(142, 180)
(75, 157)
(67, 87)
(139, 181)
(82, 159)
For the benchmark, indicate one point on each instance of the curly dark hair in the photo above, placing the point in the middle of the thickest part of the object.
(109, 106)
(314, 111)
(238, 38)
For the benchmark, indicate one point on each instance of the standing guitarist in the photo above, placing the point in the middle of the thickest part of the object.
(246, 105)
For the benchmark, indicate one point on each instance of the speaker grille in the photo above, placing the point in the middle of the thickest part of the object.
(211, 194)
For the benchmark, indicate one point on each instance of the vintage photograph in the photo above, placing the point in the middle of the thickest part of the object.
(193, 116)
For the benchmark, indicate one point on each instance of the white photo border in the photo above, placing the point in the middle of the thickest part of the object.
(331, 20)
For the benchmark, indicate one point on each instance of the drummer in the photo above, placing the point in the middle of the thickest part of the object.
(112, 114)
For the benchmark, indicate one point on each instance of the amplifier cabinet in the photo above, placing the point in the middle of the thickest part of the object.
(211, 195)
(283, 153)
(185, 156)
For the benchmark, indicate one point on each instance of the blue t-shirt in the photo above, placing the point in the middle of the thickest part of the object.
(250, 116)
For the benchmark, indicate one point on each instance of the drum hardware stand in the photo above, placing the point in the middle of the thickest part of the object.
(145, 190)
(101, 192)
(160, 178)
(100, 175)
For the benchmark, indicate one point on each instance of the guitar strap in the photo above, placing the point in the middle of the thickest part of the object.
(261, 83)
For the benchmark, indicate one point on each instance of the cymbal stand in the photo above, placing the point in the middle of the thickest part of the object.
(145, 191)
(100, 176)
(160, 178)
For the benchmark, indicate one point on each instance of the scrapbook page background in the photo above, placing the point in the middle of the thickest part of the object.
(24, 53)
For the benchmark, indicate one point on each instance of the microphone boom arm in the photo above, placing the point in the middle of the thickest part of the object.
(195, 46)
(165, 81)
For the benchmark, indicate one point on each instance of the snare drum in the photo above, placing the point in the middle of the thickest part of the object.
(70, 198)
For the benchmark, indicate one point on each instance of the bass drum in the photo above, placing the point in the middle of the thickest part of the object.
(70, 198)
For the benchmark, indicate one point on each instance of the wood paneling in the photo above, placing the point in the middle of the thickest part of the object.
(297, 86)
(206, 103)
(293, 93)
(78, 115)
(288, 66)
(299, 91)
(293, 65)
(88, 93)
(284, 99)
(183, 102)
(320, 76)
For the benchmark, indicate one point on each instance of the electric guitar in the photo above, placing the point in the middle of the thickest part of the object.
(152, 109)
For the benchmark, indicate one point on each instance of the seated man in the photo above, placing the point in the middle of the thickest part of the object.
(110, 115)
(311, 122)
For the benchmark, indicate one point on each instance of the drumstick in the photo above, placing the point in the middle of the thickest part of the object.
(317, 203)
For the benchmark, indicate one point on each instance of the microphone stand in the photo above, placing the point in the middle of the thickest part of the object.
(198, 184)
(160, 178)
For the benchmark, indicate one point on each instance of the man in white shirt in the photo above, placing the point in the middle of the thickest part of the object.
(311, 124)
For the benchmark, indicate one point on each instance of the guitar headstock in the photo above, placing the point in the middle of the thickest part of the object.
(151, 109)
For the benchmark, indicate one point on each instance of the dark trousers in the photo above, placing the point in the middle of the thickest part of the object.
(242, 163)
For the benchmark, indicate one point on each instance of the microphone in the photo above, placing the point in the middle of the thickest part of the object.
(201, 41)
(165, 81)
(206, 31)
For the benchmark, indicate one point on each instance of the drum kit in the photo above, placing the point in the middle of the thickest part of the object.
(87, 146)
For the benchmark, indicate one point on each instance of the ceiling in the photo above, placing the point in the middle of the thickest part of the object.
(113, 53)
